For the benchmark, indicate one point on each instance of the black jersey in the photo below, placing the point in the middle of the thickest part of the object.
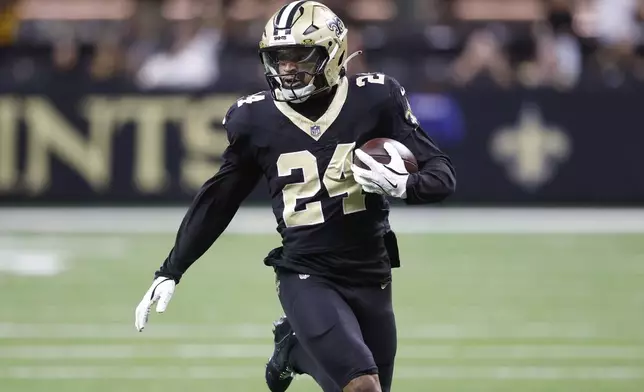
(329, 226)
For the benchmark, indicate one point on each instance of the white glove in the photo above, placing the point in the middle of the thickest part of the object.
(386, 179)
(161, 290)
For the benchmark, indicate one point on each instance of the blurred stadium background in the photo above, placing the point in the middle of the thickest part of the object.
(528, 279)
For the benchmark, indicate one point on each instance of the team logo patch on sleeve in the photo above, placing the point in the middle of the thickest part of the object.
(410, 118)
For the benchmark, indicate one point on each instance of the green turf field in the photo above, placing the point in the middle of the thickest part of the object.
(475, 313)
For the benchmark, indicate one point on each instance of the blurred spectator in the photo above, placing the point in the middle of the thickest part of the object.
(483, 55)
(43, 19)
(496, 10)
(108, 59)
(144, 36)
(8, 21)
(617, 32)
(432, 11)
(372, 10)
(176, 44)
(354, 13)
(192, 60)
(639, 59)
(65, 51)
(558, 57)
(252, 10)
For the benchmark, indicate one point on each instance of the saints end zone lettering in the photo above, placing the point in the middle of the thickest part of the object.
(35, 134)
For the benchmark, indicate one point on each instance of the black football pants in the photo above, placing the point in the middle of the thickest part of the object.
(343, 331)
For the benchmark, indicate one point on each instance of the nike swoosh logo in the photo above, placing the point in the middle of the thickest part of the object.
(392, 184)
(155, 287)
(394, 171)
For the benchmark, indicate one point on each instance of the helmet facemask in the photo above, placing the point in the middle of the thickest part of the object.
(295, 72)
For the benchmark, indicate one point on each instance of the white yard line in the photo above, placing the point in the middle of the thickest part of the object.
(521, 351)
(124, 331)
(129, 351)
(521, 373)
(260, 220)
(578, 331)
(128, 372)
(604, 373)
(249, 351)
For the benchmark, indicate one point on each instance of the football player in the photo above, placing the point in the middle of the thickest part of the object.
(333, 269)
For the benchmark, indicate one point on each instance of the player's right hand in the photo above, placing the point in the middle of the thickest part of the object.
(161, 290)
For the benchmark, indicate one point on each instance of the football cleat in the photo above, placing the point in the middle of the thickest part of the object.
(279, 373)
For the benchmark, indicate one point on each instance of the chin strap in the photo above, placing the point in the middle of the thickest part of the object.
(351, 56)
(295, 96)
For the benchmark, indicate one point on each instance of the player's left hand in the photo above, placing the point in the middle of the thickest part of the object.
(160, 292)
(386, 179)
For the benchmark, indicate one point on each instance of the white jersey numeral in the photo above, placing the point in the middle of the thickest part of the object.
(375, 78)
(250, 99)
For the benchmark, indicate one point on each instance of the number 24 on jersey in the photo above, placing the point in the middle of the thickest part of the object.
(337, 179)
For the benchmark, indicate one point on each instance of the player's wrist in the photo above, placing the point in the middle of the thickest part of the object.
(163, 274)
(403, 192)
(412, 179)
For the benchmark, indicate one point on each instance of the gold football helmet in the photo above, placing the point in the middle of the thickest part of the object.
(303, 50)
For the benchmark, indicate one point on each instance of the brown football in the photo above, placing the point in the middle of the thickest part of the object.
(375, 148)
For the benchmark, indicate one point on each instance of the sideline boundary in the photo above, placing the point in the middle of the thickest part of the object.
(260, 220)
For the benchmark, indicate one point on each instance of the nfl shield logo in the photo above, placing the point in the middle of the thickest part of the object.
(315, 130)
